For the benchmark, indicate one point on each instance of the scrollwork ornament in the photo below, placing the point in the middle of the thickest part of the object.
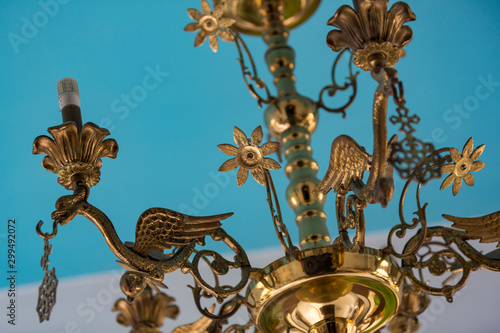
(450, 253)
(213, 321)
(220, 266)
(334, 87)
(350, 215)
(400, 229)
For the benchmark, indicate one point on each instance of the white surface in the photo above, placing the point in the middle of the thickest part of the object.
(84, 303)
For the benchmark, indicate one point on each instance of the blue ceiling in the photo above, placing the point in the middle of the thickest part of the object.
(168, 136)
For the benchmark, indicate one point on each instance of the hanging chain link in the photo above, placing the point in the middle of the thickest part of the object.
(412, 157)
(48, 288)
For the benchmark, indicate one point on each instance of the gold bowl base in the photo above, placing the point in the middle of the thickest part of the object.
(248, 20)
(326, 290)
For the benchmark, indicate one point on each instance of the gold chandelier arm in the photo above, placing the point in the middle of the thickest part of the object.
(438, 262)
(379, 117)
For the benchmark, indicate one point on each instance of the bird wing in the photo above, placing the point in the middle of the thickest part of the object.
(487, 227)
(348, 161)
(159, 228)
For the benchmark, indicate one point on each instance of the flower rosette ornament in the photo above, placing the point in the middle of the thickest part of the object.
(211, 24)
(462, 166)
(249, 156)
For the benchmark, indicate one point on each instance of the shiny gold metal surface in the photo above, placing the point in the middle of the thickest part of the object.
(298, 110)
(248, 17)
(374, 35)
(326, 285)
(146, 313)
(73, 152)
(335, 324)
(301, 194)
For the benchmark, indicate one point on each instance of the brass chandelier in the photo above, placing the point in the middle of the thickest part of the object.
(331, 282)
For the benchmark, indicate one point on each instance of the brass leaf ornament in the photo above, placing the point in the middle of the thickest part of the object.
(211, 24)
(249, 156)
(371, 32)
(462, 166)
(147, 312)
(71, 153)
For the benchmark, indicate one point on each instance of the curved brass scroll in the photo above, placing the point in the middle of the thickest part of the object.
(334, 87)
(220, 266)
(350, 215)
(447, 259)
(421, 219)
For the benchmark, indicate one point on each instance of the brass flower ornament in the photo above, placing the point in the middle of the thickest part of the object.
(374, 35)
(462, 167)
(210, 24)
(71, 153)
(249, 156)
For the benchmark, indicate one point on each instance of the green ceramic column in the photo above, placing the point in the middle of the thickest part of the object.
(292, 120)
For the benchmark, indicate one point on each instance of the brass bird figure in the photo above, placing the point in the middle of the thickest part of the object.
(348, 162)
(157, 229)
(160, 228)
(486, 228)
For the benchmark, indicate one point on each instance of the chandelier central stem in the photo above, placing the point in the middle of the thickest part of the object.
(292, 119)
